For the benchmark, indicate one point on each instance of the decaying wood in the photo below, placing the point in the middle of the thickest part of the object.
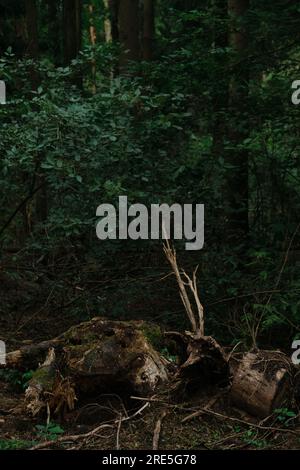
(157, 431)
(204, 358)
(95, 356)
(262, 382)
(30, 356)
(183, 281)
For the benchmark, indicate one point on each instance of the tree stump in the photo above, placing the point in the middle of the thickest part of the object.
(202, 362)
(93, 357)
(261, 382)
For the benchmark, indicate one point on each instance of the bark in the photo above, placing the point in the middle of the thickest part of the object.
(203, 362)
(92, 29)
(237, 158)
(30, 356)
(92, 357)
(107, 22)
(148, 29)
(261, 383)
(111, 22)
(129, 31)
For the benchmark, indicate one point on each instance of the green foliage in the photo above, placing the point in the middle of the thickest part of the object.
(157, 134)
(14, 444)
(251, 437)
(19, 380)
(285, 416)
(49, 432)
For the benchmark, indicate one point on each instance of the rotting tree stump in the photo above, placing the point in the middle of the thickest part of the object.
(262, 382)
(93, 357)
(203, 362)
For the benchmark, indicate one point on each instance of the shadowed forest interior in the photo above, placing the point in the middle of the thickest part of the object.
(162, 101)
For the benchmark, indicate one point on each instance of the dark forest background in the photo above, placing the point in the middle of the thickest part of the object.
(163, 101)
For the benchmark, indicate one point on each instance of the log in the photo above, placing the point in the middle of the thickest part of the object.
(30, 356)
(261, 382)
(90, 358)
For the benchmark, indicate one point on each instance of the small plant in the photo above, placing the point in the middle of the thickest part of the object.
(250, 437)
(16, 378)
(170, 357)
(49, 432)
(285, 416)
(14, 444)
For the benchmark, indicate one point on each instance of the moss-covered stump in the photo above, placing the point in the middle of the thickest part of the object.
(94, 357)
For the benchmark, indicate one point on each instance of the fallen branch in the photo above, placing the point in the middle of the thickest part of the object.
(157, 431)
(237, 420)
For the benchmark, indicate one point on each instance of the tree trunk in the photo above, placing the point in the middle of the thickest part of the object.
(92, 29)
(261, 383)
(111, 26)
(148, 29)
(93, 38)
(32, 47)
(238, 128)
(220, 99)
(54, 30)
(72, 11)
(129, 31)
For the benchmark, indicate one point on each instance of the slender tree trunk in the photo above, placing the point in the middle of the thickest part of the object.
(93, 39)
(111, 26)
(32, 47)
(129, 31)
(108, 22)
(54, 30)
(92, 29)
(32, 50)
(148, 29)
(72, 27)
(221, 85)
(238, 127)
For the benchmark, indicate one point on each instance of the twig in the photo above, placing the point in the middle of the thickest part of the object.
(19, 207)
(285, 260)
(230, 418)
(157, 431)
(146, 399)
(74, 437)
(93, 432)
(118, 434)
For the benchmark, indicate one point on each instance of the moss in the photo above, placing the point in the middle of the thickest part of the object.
(44, 376)
(154, 335)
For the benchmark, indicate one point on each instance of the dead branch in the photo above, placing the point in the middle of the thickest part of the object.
(183, 281)
(237, 420)
(93, 432)
(157, 431)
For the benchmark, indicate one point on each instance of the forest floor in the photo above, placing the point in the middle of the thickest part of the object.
(109, 421)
